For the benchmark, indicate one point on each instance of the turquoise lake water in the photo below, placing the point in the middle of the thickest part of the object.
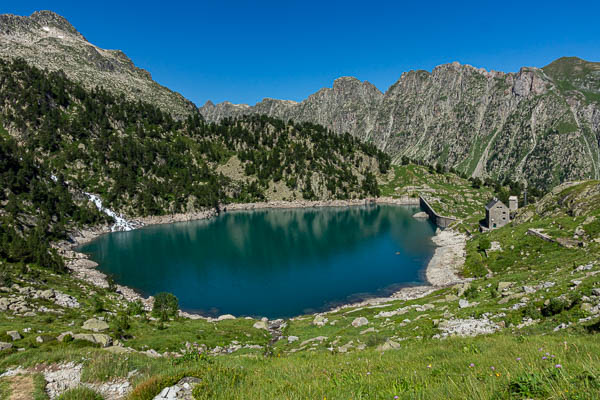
(273, 263)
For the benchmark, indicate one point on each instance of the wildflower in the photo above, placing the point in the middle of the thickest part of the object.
(558, 366)
(471, 365)
(518, 358)
(396, 397)
(544, 358)
(429, 366)
(497, 374)
(368, 373)
(540, 349)
(492, 368)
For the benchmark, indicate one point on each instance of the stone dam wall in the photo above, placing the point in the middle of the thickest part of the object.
(440, 220)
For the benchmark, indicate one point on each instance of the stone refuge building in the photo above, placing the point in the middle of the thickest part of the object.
(497, 214)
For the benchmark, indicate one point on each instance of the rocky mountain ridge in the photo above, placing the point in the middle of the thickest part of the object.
(48, 41)
(537, 125)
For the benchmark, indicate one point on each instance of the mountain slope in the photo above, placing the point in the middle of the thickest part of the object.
(47, 40)
(537, 125)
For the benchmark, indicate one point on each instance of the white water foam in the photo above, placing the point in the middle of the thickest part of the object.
(121, 224)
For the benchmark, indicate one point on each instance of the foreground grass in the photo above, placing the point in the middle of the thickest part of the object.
(500, 366)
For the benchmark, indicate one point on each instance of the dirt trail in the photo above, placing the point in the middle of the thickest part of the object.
(21, 387)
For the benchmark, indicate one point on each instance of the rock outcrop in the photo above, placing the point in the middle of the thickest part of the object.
(47, 40)
(536, 125)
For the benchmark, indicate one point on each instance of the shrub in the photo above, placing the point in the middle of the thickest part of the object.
(120, 325)
(531, 311)
(135, 308)
(527, 386)
(555, 306)
(165, 305)
(97, 304)
(484, 244)
(471, 293)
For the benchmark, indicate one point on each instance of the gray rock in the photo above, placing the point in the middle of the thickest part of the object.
(62, 336)
(319, 320)
(46, 294)
(5, 346)
(504, 285)
(45, 339)
(95, 325)
(260, 325)
(462, 303)
(14, 335)
(388, 345)
(99, 338)
(360, 321)
(225, 317)
(292, 339)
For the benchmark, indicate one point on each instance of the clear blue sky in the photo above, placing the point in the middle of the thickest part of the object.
(244, 51)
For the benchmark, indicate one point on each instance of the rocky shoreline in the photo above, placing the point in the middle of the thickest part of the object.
(441, 270)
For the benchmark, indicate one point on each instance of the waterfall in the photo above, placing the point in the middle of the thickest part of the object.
(121, 224)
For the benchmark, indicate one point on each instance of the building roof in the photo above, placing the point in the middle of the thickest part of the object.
(493, 203)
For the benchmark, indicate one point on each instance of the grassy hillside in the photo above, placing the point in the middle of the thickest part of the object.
(533, 304)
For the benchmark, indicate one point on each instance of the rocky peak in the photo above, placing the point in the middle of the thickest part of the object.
(48, 41)
(39, 24)
(530, 81)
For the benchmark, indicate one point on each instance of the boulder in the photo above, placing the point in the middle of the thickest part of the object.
(5, 346)
(62, 336)
(461, 288)
(319, 320)
(462, 303)
(360, 321)
(14, 335)
(225, 317)
(260, 325)
(421, 215)
(117, 349)
(46, 294)
(292, 339)
(4, 303)
(98, 338)
(388, 345)
(504, 285)
(95, 325)
(587, 307)
(45, 338)
(451, 297)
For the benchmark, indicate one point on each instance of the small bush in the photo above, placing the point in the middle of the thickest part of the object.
(471, 293)
(554, 307)
(165, 305)
(112, 285)
(531, 311)
(135, 308)
(484, 244)
(120, 325)
(527, 386)
(97, 304)
(80, 393)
